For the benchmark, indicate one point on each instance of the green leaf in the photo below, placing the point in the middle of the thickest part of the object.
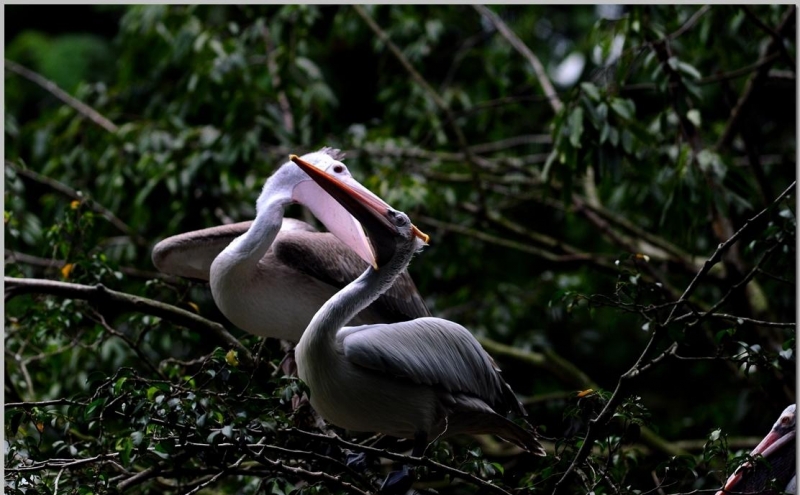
(124, 446)
(689, 70)
(694, 117)
(623, 107)
(576, 127)
(118, 385)
(591, 90)
(93, 406)
(227, 431)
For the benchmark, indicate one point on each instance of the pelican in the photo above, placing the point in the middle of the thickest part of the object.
(779, 449)
(270, 276)
(423, 379)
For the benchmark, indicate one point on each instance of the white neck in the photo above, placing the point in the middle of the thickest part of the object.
(356, 296)
(248, 249)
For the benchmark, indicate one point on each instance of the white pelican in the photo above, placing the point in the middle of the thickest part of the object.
(422, 379)
(779, 449)
(270, 276)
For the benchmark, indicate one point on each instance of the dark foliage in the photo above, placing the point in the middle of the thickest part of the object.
(610, 193)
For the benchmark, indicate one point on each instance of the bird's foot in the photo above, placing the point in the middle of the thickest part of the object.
(355, 461)
(398, 482)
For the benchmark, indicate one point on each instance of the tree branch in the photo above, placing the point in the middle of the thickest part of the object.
(740, 319)
(75, 195)
(755, 81)
(51, 87)
(578, 258)
(416, 461)
(526, 52)
(437, 99)
(101, 294)
(717, 256)
(776, 37)
(598, 423)
(27, 259)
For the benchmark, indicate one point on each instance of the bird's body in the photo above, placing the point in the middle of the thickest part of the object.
(418, 379)
(426, 375)
(779, 450)
(269, 276)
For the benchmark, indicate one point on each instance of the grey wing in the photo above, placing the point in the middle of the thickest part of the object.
(190, 254)
(324, 257)
(429, 351)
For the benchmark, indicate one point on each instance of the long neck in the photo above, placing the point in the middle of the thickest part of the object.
(348, 302)
(247, 250)
(250, 247)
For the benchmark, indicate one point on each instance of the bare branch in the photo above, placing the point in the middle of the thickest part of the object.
(526, 52)
(51, 87)
(27, 259)
(740, 319)
(100, 319)
(755, 81)
(689, 24)
(44, 403)
(416, 461)
(776, 37)
(717, 256)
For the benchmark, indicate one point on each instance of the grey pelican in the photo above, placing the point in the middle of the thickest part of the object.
(422, 379)
(778, 448)
(270, 276)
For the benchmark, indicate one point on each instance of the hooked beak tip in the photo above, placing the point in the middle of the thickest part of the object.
(420, 234)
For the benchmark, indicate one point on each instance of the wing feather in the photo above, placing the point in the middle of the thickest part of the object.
(429, 351)
(190, 254)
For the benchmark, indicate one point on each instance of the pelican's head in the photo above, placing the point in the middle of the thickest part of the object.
(782, 433)
(292, 184)
(387, 227)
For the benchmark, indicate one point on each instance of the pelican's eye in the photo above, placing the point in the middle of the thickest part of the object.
(338, 169)
(399, 218)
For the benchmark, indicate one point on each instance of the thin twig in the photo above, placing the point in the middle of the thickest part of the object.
(100, 319)
(217, 476)
(689, 24)
(75, 195)
(775, 277)
(63, 464)
(51, 87)
(44, 403)
(502, 144)
(776, 37)
(306, 474)
(741, 319)
(597, 423)
(755, 80)
(437, 99)
(417, 461)
(578, 258)
(717, 256)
